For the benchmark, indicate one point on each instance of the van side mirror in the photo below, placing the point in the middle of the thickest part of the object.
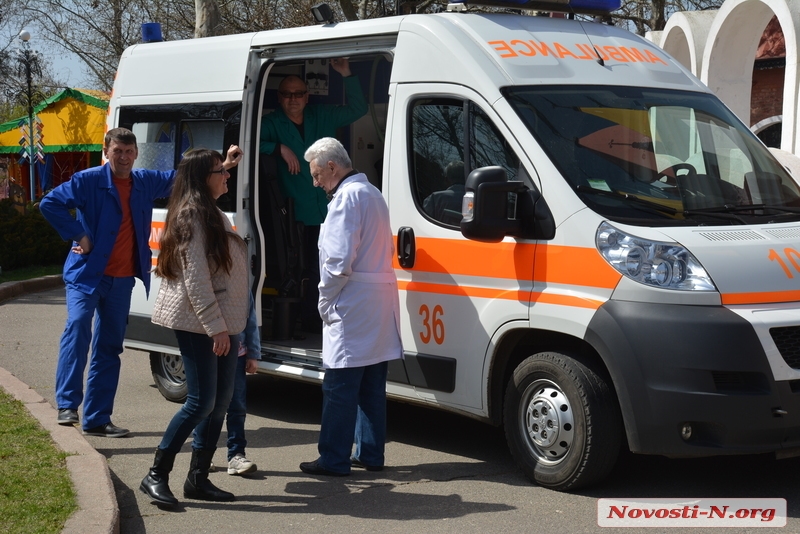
(493, 208)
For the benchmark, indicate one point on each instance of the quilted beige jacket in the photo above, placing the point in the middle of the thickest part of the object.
(201, 302)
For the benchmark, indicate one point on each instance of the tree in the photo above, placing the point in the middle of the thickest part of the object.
(642, 16)
(13, 82)
(97, 32)
(207, 18)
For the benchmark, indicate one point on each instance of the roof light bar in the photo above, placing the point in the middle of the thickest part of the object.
(595, 7)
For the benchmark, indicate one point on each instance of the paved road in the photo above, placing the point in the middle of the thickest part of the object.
(446, 473)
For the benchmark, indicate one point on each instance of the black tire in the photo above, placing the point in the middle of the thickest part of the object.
(562, 422)
(169, 376)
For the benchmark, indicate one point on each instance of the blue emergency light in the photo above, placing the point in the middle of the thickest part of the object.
(596, 7)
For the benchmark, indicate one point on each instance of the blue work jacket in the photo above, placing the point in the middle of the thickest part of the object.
(99, 215)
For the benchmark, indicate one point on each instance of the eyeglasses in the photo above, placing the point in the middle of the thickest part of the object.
(223, 170)
(290, 95)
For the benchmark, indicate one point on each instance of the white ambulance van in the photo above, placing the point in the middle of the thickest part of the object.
(592, 250)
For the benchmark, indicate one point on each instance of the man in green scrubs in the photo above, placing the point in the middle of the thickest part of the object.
(288, 132)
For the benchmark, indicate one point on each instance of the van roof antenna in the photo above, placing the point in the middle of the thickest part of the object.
(599, 57)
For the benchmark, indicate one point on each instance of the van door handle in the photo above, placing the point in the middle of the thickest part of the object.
(406, 247)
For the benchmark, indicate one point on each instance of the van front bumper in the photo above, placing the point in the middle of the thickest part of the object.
(701, 366)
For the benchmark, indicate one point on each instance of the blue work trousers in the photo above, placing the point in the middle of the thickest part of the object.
(209, 383)
(109, 305)
(353, 409)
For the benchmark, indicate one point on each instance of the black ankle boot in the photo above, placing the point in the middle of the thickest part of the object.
(156, 483)
(197, 485)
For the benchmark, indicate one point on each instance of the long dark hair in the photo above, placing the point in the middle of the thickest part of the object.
(191, 201)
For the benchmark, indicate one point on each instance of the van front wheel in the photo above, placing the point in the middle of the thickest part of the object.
(169, 375)
(562, 422)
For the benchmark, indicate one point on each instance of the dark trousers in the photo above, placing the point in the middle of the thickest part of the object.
(209, 383)
(309, 311)
(353, 410)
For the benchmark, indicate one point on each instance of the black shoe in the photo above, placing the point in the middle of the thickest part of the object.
(67, 416)
(313, 468)
(355, 462)
(107, 430)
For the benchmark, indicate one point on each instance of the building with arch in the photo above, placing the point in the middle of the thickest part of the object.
(746, 52)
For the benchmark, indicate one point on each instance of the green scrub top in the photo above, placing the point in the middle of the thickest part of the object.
(319, 120)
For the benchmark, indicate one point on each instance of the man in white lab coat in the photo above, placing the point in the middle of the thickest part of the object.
(360, 310)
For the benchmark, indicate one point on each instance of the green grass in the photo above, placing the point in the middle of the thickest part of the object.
(29, 272)
(36, 495)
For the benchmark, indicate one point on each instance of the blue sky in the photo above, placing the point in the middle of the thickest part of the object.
(65, 66)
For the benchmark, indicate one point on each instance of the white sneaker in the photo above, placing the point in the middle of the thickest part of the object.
(239, 465)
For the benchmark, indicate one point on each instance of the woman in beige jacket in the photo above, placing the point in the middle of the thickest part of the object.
(204, 297)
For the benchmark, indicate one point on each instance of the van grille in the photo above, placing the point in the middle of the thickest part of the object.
(784, 233)
(733, 235)
(787, 339)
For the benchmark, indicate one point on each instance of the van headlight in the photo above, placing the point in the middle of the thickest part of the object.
(664, 265)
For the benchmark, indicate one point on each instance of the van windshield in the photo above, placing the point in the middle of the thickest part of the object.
(637, 154)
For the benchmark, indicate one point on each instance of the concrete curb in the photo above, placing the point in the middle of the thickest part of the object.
(98, 511)
(9, 290)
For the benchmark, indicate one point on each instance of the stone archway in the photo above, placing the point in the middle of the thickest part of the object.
(684, 37)
(728, 58)
(769, 130)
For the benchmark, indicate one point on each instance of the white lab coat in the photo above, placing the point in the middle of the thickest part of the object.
(358, 299)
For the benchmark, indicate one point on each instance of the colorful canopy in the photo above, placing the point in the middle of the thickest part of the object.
(73, 120)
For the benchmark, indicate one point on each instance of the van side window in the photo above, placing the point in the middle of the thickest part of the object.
(437, 151)
(165, 133)
(446, 133)
(488, 146)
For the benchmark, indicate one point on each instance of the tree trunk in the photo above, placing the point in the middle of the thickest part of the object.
(348, 9)
(207, 18)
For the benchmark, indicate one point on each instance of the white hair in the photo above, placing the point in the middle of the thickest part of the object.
(328, 149)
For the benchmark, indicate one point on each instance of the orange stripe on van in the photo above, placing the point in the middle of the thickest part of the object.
(464, 291)
(580, 266)
(566, 300)
(506, 294)
(557, 264)
(767, 297)
(156, 229)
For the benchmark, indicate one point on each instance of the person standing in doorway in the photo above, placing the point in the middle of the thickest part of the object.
(288, 132)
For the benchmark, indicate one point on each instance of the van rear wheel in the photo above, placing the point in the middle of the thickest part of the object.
(169, 375)
(562, 422)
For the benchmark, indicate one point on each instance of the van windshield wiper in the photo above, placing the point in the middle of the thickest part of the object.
(713, 212)
(655, 206)
(633, 199)
(731, 208)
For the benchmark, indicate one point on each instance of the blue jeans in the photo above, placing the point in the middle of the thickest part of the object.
(237, 411)
(209, 384)
(109, 305)
(353, 409)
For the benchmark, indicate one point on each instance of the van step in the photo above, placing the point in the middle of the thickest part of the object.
(297, 356)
